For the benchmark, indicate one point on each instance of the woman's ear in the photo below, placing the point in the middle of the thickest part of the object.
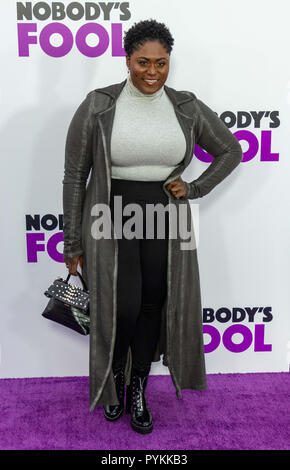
(128, 61)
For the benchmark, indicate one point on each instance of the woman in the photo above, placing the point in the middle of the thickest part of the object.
(136, 138)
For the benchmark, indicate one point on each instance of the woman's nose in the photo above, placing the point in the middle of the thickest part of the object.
(151, 69)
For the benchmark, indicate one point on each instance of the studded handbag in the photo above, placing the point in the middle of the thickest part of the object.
(68, 305)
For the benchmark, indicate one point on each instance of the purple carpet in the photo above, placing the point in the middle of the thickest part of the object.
(237, 411)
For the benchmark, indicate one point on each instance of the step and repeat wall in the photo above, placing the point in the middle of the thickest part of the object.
(233, 56)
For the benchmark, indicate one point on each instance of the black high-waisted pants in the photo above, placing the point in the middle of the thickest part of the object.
(142, 277)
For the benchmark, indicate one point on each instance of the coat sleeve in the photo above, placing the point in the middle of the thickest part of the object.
(77, 165)
(216, 139)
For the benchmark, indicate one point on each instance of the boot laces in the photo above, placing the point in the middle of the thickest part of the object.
(138, 396)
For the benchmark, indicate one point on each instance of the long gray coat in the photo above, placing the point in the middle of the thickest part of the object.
(88, 150)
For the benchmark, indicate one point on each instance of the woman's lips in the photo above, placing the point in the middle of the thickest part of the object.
(150, 82)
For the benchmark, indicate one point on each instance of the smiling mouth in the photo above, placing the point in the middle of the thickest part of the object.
(150, 82)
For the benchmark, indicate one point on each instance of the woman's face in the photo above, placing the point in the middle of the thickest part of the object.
(149, 66)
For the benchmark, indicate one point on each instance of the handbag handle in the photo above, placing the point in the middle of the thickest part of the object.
(81, 278)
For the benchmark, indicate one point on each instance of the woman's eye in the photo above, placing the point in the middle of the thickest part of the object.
(145, 63)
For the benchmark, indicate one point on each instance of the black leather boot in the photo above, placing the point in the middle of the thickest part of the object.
(114, 412)
(141, 419)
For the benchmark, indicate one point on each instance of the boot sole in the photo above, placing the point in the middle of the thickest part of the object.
(142, 430)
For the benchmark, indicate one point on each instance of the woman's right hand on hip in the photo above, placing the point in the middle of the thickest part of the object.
(72, 264)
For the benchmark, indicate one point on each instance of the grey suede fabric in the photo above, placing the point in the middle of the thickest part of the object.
(86, 182)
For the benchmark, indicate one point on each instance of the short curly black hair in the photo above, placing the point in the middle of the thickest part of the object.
(147, 30)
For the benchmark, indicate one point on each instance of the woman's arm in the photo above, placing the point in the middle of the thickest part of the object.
(78, 162)
(216, 139)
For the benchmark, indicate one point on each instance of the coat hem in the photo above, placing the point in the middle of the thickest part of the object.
(195, 387)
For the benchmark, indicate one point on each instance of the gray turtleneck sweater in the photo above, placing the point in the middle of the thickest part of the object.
(147, 142)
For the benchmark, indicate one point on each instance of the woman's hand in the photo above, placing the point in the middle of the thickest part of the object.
(72, 264)
(177, 187)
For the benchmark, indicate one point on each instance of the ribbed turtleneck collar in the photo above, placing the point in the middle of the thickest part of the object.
(133, 91)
